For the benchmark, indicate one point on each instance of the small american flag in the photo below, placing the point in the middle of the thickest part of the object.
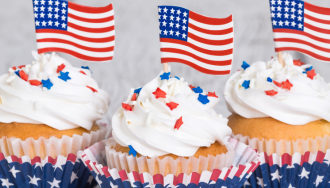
(204, 43)
(87, 33)
(302, 27)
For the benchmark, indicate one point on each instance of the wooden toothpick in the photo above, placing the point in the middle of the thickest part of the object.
(280, 59)
(165, 67)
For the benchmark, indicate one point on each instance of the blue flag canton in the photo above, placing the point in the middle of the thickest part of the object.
(51, 14)
(287, 14)
(173, 22)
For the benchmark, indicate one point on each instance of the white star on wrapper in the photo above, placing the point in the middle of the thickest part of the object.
(290, 186)
(280, 23)
(63, 18)
(185, 14)
(36, 2)
(276, 175)
(98, 180)
(287, 2)
(34, 180)
(164, 23)
(58, 165)
(63, 25)
(35, 15)
(50, 9)
(172, 11)
(74, 177)
(165, 32)
(326, 161)
(293, 24)
(178, 12)
(37, 165)
(171, 24)
(42, 8)
(35, 9)
(160, 31)
(300, 5)
(56, 23)
(300, 18)
(286, 15)
(279, 15)
(300, 26)
(319, 180)
(184, 28)
(164, 16)
(293, 10)
(14, 171)
(260, 182)
(293, 16)
(184, 21)
(90, 179)
(50, 23)
(286, 9)
(50, 2)
(37, 23)
(178, 19)
(50, 15)
(172, 18)
(177, 25)
(184, 35)
(63, 11)
(42, 15)
(274, 22)
(112, 185)
(279, 8)
(5, 182)
(287, 23)
(304, 174)
(273, 2)
(293, 3)
(56, 10)
(279, 2)
(159, 9)
(272, 8)
(300, 11)
(56, 16)
(171, 32)
(42, 2)
(177, 33)
(165, 10)
(54, 184)
(63, 5)
(43, 23)
(57, 3)
(273, 15)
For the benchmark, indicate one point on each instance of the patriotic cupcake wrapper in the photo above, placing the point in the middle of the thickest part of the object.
(244, 161)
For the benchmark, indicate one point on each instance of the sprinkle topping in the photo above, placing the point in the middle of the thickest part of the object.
(287, 85)
(271, 92)
(308, 69)
(277, 83)
(64, 76)
(212, 94)
(172, 105)
(159, 93)
(94, 90)
(23, 75)
(60, 68)
(14, 67)
(126, 106)
(20, 67)
(138, 90)
(132, 151)
(203, 99)
(197, 90)
(178, 123)
(269, 79)
(86, 67)
(246, 84)
(134, 97)
(82, 72)
(191, 87)
(47, 84)
(165, 76)
(245, 65)
(35, 82)
(298, 62)
(311, 74)
(177, 77)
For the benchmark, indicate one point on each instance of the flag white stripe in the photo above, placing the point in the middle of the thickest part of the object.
(198, 53)
(210, 37)
(210, 47)
(192, 60)
(211, 27)
(317, 34)
(77, 41)
(301, 37)
(91, 35)
(317, 24)
(90, 15)
(317, 15)
(42, 45)
(91, 25)
(301, 46)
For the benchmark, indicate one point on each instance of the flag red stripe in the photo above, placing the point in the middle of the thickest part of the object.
(91, 30)
(302, 42)
(317, 20)
(317, 29)
(301, 33)
(107, 49)
(303, 51)
(100, 20)
(87, 9)
(317, 9)
(210, 42)
(209, 52)
(209, 20)
(201, 69)
(206, 61)
(95, 40)
(211, 32)
(75, 54)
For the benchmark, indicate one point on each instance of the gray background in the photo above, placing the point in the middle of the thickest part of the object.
(137, 57)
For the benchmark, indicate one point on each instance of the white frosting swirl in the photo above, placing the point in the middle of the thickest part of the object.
(149, 127)
(66, 105)
(307, 100)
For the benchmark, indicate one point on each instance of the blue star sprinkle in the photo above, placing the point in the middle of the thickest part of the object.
(310, 68)
(87, 67)
(165, 76)
(64, 76)
(245, 65)
(17, 72)
(47, 84)
(131, 151)
(246, 84)
(197, 90)
(304, 72)
(269, 80)
(177, 78)
(138, 90)
(203, 99)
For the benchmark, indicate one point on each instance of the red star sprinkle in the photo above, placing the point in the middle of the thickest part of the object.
(287, 85)
(20, 67)
(311, 74)
(134, 97)
(23, 75)
(212, 94)
(94, 90)
(191, 87)
(277, 83)
(159, 93)
(35, 82)
(60, 68)
(82, 72)
(172, 105)
(298, 62)
(14, 67)
(178, 123)
(271, 92)
(126, 106)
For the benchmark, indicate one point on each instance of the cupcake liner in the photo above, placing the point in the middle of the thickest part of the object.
(301, 163)
(123, 171)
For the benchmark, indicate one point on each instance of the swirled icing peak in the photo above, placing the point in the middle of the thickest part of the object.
(51, 91)
(293, 94)
(168, 116)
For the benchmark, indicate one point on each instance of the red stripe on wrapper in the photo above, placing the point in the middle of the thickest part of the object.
(179, 179)
(227, 174)
(88, 165)
(35, 160)
(123, 175)
(106, 172)
(142, 178)
(195, 178)
(158, 179)
(305, 158)
(51, 160)
(240, 170)
(215, 174)
(320, 156)
(286, 159)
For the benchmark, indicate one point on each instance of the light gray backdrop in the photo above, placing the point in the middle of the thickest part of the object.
(137, 57)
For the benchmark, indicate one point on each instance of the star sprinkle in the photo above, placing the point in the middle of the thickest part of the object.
(47, 84)
(191, 87)
(309, 69)
(311, 74)
(210, 94)
(87, 67)
(203, 99)
(245, 65)
(165, 76)
(298, 62)
(64, 76)
(14, 68)
(286, 85)
(22, 66)
(82, 72)
(23, 75)
(197, 90)
(269, 79)
(277, 83)
(60, 68)
(172, 105)
(271, 92)
(35, 82)
(246, 84)
(159, 93)
(94, 90)
(132, 151)
(126, 106)
(177, 77)
(178, 123)
(17, 73)
(137, 91)
(133, 97)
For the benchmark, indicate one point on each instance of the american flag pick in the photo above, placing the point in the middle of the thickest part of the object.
(204, 43)
(302, 27)
(87, 33)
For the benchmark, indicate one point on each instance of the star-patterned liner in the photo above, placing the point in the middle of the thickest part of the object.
(245, 162)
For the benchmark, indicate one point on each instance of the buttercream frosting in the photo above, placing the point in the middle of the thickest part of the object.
(51, 91)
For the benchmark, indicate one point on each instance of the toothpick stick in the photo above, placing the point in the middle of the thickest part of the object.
(280, 58)
(165, 67)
